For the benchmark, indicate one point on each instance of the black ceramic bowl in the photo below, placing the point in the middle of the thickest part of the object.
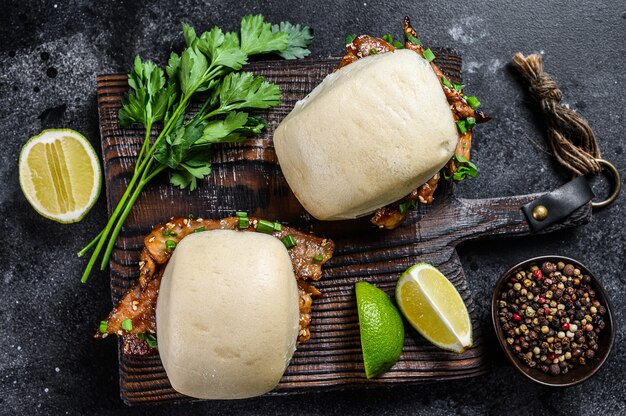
(605, 339)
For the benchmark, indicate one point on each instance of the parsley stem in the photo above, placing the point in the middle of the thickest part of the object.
(107, 229)
(145, 178)
(144, 146)
(91, 244)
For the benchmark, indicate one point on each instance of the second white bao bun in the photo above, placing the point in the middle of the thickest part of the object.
(227, 314)
(367, 136)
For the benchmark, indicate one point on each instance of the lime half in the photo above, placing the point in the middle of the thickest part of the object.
(434, 307)
(60, 174)
(382, 330)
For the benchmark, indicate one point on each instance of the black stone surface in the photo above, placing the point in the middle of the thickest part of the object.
(50, 53)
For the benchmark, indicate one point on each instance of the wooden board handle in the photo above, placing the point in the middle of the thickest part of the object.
(493, 217)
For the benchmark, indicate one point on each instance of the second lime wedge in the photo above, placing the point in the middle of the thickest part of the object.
(434, 307)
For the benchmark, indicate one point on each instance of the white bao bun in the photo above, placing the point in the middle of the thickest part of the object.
(367, 136)
(227, 314)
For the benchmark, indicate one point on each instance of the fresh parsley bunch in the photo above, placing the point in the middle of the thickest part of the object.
(208, 68)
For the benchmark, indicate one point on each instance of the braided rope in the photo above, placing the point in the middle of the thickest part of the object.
(570, 138)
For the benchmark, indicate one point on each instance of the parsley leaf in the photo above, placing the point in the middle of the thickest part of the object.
(148, 100)
(257, 36)
(189, 33)
(222, 49)
(175, 148)
(188, 173)
(193, 67)
(244, 90)
(298, 40)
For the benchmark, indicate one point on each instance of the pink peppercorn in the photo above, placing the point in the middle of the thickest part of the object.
(538, 275)
(517, 317)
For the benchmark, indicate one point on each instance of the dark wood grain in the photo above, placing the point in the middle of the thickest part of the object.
(246, 177)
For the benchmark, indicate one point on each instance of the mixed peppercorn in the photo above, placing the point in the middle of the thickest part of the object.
(551, 317)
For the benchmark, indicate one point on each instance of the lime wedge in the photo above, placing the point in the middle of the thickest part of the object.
(434, 308)
(381, 327)
(60, 174)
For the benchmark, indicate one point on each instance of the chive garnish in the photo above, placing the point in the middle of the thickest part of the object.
(199, 230)
(446, 83)
(388, 38)
(407, 206)
(170, 245)
(150, 339)
(103, 327)
(241, 214)
(458, 87)
(277, 226)
(373, 51)
(127, 324)
(429, 55)
(243, 223)
(318, 257)
(289, 241)
(169, 233)
(470, 122)
(473, 101)
(264, 226)
(414, 40)
(462, 126)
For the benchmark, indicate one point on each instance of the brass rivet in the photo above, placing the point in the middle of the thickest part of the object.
(540, 213)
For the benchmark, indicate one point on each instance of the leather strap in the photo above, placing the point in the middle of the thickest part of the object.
(558, 203)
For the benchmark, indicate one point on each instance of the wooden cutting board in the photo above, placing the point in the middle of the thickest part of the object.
(246, 177)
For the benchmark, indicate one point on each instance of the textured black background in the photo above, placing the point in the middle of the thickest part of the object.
(50, 54)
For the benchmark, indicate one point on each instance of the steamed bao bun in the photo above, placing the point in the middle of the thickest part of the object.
(227, 314)
(367, 136)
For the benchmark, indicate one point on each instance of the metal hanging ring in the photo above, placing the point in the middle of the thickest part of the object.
(617, 183)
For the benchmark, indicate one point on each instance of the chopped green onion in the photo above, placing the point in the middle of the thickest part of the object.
(429, 55)
(263, 226)
(459, 87)
(127, 324)
(407, 206)
(199, 230)
(446, 83)
(170, 245)
(241, 214)
(169, 233)
(462, 126)
(318, 257)
(414, 40)
(103, 327)
(277, 226)
(388, 38)
(398, 45)
(471, 122)
(150, 339)
(243, 223)
(289, 241)
(472, 101)
(373, 51)
(191, 216)
(350, 38)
